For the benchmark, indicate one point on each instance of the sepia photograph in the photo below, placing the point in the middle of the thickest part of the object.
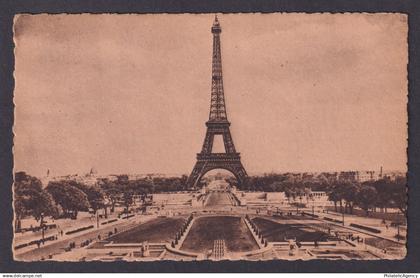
(210, 136)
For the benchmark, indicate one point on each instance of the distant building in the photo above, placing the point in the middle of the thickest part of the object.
(392, 175)
(350, 176)
(363, 176)
(359, 176)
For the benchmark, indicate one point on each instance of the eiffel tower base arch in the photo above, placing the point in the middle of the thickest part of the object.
(208, 162)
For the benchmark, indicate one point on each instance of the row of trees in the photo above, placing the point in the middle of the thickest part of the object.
(383, 193)
(60, 198)
(65, 198)
(279, 182)
(345, 194)
(31, 199)
(122, 190)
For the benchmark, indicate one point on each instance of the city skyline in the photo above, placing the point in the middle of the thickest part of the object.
(212, 172)
(123, 103)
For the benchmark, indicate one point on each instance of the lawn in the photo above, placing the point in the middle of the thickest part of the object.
(156, 230)
(229, 228)
(274, 231)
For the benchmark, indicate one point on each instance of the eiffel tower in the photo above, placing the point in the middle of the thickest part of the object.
(217, 124)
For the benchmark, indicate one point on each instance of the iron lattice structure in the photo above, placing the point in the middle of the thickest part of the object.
(217, 124)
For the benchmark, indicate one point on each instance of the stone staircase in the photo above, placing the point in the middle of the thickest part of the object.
(219, 248)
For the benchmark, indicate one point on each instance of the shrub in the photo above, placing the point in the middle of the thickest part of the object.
(109, 221)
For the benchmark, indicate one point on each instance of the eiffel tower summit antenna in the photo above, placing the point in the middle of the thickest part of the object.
(217, 124)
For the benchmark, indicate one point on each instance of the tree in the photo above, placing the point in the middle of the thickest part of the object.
(290, 191)
(183, 181)
(349, 194)
(337, 193)
(399, 194)
(127, 190)
(293, 190)
(122, 180)
(140, 189)
(30, 199)
(277, 186)
(111, 191)
(334, 195)
(128, 199)
(366, 198)
(70, 198)
(94, 195)
(308, 194)
(95, 198)
(384, 187)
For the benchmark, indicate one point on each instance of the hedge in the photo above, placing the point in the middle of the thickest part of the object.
(34, 242)
(79, 230)
(109, 221)
(38, 228)
(370, 229)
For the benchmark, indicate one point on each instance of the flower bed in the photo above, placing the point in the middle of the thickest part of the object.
(155, 230)
(279, 232)
(205, 230)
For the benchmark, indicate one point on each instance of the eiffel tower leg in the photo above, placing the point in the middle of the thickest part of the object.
(208, 142)
(228, 142)
(240, 173)
(195, 174)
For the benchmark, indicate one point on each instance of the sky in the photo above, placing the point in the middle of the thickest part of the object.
(131, 93)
